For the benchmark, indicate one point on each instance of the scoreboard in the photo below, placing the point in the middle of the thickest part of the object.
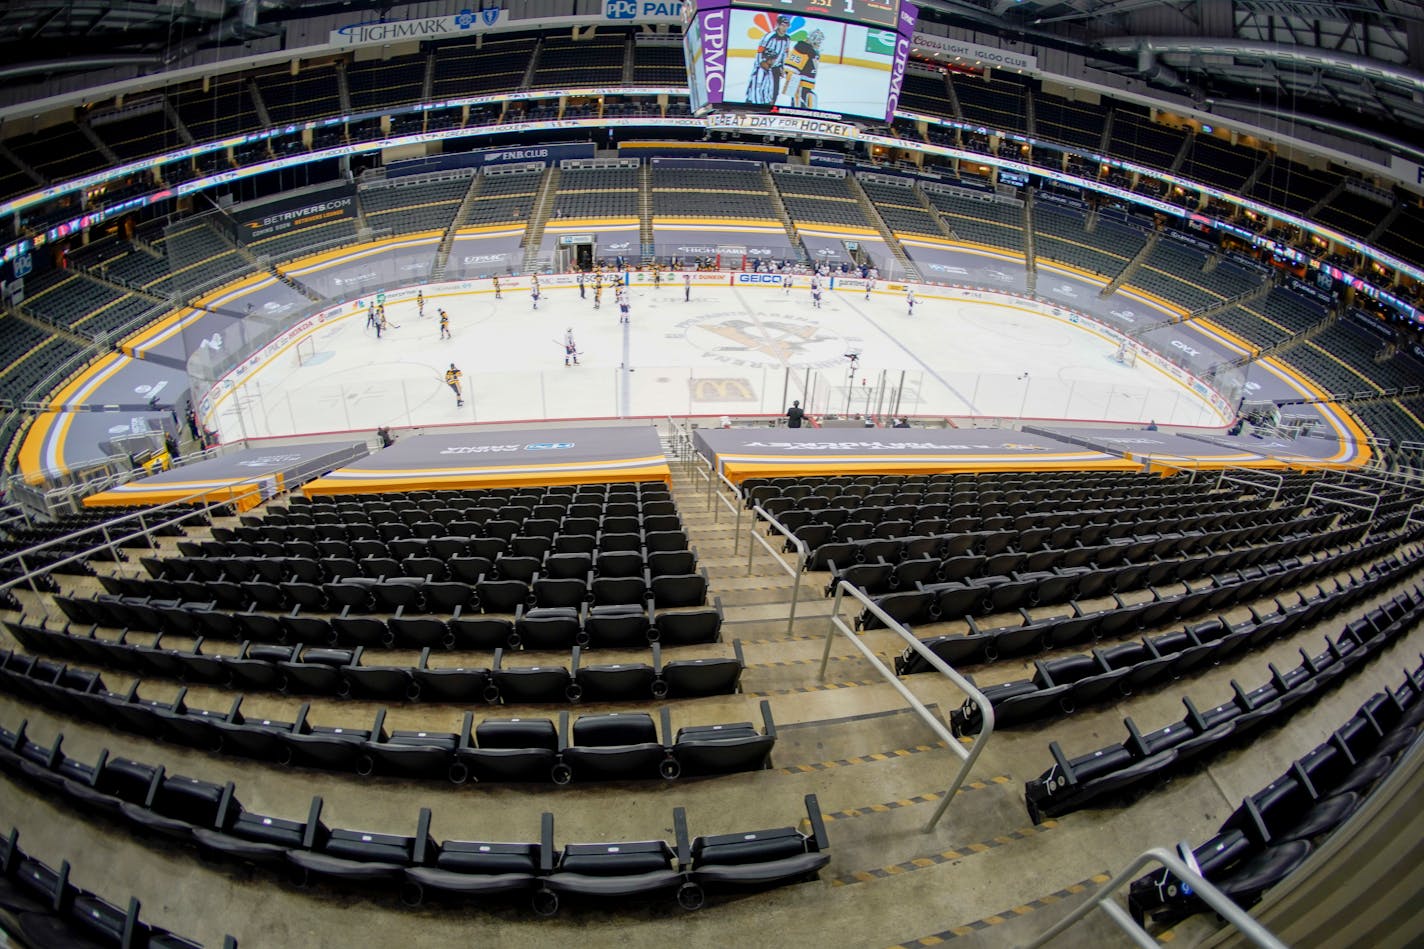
(825, 58)
(871, 12)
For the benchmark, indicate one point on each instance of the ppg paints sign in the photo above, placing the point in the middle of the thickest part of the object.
(643, 9)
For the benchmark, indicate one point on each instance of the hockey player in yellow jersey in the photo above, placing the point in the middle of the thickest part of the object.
(801, 63)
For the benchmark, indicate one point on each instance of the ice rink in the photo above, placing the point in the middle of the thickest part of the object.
(731, 350)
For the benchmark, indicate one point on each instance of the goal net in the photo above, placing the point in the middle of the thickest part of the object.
(1125, 355)
(305, 350)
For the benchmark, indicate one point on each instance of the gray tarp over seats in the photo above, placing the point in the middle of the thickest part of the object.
(357, 272)
(271, 469)
(477, 255)
(709, 242)
(947, 265)
(433, 461)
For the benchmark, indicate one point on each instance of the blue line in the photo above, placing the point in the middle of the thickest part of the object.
(625, 400)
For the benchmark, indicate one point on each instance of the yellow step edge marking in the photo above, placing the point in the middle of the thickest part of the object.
(1025, 909)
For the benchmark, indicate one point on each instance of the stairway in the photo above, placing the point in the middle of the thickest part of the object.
(888, 236)
(260, 264)
(1386, 222)
(1241, 299)
(176, 120)
(343, 88)
(933, 212)
(1030, 247)
(538, 216)
(769, 181)
(259, 105)
(54, 329)
(1182, 152)
(23, 165)
(645, 211)
(1131, 267)
(1325, 199)
(442, 253)
(99, 144)
(97, 277)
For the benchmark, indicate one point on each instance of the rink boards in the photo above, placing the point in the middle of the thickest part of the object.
(504, 459)
(1167, 452)
(788, 453)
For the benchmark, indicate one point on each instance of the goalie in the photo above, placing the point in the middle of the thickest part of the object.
(801, 62)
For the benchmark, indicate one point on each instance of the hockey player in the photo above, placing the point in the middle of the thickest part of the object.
(816, 293)
(582, 294)
(570, 349)
(910, 301)
(786, 283)
(801, 62)
(371, 321)
(420, 304)
(623, 305)
(869, 285)
(597, 291)
(452, 379)
(534, 292)
(444, 324)
(657, 277)
(687, 288)
(497, 294)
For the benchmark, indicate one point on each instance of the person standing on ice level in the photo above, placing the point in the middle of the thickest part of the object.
(794, 415)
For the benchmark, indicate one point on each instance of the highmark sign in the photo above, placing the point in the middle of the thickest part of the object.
(427, 28)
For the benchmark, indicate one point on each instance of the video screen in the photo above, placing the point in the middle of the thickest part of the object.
(802, 62)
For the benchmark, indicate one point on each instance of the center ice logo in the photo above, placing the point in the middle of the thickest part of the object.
(784, 342)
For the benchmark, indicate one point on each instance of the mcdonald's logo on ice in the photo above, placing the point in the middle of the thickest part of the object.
(721, 390)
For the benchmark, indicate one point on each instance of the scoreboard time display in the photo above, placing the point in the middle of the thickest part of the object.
(872, 12)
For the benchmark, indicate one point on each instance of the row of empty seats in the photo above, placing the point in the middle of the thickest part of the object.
(594, 747)
(1083, 627)
(1065, 684)
(210, 817)
(341, 672)
(1274, 830)
(48, 908)
(1143, 759)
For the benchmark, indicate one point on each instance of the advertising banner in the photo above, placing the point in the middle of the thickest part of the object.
(257, 220)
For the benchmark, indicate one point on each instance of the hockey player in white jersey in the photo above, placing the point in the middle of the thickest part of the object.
(816, 293)
(910, 302)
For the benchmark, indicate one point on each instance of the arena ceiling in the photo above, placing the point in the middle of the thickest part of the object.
(1351, 66)
(1356, 65)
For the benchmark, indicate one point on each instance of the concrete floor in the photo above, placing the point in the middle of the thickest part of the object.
(984, 877)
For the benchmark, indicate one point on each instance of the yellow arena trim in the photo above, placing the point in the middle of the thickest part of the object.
(1088, 275)
(704, 147)
(579, 223)
(1154, 300)
(354, 251)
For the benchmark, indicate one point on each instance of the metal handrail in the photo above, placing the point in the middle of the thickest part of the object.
(1224, 905)
(736, 509)
(1273, 481)
(145, 531)
(802, 555)
(986, 708)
